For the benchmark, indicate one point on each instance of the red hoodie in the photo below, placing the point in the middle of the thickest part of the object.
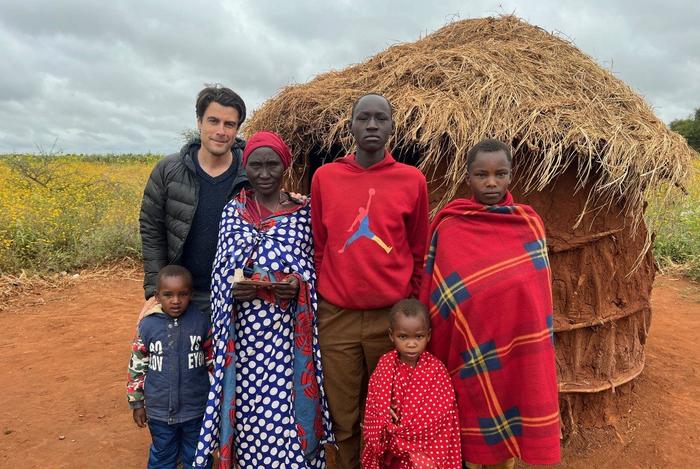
(370, 229)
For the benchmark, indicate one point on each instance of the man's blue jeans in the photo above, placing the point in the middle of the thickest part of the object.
(171, 441)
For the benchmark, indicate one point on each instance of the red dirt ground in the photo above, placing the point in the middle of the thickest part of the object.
(64, 369)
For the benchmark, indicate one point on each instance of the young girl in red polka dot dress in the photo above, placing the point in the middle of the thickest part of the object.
(411, 412)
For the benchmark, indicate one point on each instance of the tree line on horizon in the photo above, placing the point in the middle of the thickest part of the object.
(690, 129)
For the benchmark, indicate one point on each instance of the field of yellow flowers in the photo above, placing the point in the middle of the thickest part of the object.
(59, 213)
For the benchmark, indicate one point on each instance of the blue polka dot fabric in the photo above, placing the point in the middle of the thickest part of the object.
(266, 406)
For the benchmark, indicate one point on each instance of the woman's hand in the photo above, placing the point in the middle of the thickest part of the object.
(298, 198)
(286, 290)
(244, 292)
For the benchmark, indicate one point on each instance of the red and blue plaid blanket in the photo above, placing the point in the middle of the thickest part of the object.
(487, 283)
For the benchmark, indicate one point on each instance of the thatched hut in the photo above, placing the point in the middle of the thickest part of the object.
(586, 148)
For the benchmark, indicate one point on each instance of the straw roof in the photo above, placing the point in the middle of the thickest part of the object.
(494, 77)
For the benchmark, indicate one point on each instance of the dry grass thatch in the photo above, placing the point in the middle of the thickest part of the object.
(501, 78)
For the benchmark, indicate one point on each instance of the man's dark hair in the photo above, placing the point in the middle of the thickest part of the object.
(488, 146)
(222, 95)
(173, 270)
(409, 308)
(354, 105)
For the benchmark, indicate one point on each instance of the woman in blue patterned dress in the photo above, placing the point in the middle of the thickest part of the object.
(266, 405)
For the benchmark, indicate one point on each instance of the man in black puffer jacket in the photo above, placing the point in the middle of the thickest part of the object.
(187, 191)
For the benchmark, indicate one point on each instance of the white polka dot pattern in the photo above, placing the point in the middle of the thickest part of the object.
(266, 406)
(427, 431)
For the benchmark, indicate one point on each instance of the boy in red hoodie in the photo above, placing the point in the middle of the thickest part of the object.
(370, 226)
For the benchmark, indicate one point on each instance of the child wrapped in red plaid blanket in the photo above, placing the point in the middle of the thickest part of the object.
(411, 414)
(488, 286)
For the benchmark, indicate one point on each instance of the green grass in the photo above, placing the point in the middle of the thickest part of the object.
(677, 230)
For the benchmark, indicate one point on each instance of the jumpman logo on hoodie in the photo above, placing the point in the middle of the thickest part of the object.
(361, 228)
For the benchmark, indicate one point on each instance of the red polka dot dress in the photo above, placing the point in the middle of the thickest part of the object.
(426, 434)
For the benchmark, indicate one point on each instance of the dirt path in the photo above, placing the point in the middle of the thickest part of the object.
(64, 367)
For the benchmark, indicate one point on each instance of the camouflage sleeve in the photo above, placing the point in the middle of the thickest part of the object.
(138, 365)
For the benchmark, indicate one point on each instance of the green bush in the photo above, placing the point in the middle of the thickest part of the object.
(677, 230)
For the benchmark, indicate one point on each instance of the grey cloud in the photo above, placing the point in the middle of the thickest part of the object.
(122, 76)
(19, 81)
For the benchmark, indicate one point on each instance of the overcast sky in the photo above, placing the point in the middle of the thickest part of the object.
(122, 76)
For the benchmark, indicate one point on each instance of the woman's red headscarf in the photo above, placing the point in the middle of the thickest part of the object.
(270, 140)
